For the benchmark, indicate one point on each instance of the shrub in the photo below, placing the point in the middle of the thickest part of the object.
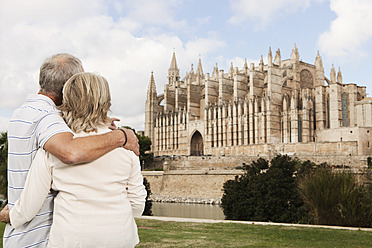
(336, 198)
(148, 204)
(264, 193)
(3, 164)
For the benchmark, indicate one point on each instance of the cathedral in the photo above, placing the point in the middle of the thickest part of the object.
(282, 107)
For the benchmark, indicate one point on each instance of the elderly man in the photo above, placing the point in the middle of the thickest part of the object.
(38, 124)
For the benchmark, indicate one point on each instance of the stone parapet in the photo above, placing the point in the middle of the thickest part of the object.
(191, 200)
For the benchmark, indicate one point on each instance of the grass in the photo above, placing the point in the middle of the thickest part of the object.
(2, 227)
(154, 233)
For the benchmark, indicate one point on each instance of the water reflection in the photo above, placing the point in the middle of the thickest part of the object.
(185, 210)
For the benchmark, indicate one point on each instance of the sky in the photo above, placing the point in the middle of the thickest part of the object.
(126, 40)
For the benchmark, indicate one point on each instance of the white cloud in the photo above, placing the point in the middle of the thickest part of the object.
(4, 123)
(105, 44)
(349, 31)
(264, 12)
(136, 122)
(154, 12)
(47, 13)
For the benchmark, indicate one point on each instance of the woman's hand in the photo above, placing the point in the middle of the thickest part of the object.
(113, 125)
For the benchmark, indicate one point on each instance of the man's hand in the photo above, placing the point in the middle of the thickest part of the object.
(4, 214)
(132, 141)
(113, 125)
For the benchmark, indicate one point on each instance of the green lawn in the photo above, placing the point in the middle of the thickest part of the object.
(154, 233)
(2, 226)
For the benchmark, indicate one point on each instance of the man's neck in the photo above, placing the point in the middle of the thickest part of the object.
(57, 100)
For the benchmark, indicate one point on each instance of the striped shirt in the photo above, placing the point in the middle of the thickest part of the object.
(30, 127)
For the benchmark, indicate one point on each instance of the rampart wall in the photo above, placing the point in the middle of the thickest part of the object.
(193, 186)
(200, 179)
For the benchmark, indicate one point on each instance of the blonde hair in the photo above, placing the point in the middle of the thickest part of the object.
(86, 102)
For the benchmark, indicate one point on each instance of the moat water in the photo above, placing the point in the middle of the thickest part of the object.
(186, 210)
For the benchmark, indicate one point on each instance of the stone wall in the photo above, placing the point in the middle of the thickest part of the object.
(189, 186)
(200, 179)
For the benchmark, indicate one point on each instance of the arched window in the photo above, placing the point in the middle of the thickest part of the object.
(196, 144)
(299, 106)
(282, 130)
(306, 79)
(328, 115)
(345, 110)
(314, 116)
(299, 129)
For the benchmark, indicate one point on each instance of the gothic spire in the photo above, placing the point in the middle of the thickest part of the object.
(339, 75)
(173, 71)
(199, 71)
(173, 64)
(152, 87)
(192, 73)
(333, 74)
(231, 70)
(278, 57)
(192, 69)
(318, 62)
(261, 63)
(245, 65)
(261, 60)
(215, 72)
(295, 56)
(270, 57)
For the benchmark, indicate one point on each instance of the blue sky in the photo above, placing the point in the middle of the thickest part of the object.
(126, 40)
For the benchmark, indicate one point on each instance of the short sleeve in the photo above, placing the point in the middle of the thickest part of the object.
(49, 125)
(36, 189)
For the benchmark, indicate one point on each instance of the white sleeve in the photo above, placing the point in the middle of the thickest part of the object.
(49, 125)
(136, 190)
(36, 189)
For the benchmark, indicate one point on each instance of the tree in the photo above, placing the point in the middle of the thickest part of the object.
(335, 198)
(145, 145)
(3, 164)
(266, 192)
(148, 204)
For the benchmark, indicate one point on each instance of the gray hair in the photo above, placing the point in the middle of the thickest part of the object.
(56, 70)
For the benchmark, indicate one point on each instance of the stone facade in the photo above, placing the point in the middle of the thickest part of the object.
(285, 106)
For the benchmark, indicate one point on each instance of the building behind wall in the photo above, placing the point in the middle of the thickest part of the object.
(285, 106)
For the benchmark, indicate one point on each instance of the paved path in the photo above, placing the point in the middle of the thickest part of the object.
(250, 223)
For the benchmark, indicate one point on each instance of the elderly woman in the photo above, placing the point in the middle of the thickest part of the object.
(96, 202)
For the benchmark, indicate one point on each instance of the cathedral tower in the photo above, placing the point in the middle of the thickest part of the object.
(173, 71)
(151, 103)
